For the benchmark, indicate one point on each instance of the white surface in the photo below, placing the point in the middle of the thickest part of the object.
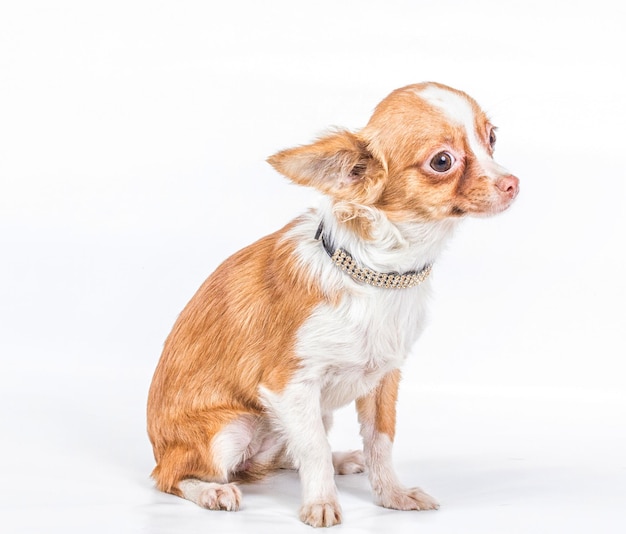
(132, 145)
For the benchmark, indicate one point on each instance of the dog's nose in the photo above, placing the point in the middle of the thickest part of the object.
(509, 185)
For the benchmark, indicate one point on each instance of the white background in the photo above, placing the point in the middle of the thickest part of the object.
(132, 144)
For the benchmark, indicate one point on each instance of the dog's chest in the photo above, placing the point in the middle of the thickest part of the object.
(348, 348)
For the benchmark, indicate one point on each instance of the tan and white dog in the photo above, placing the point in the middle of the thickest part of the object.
(324, 311)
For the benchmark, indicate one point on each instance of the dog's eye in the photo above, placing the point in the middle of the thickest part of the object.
(442, 162)
(492, 137)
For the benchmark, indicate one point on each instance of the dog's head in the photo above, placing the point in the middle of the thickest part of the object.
(426, 154)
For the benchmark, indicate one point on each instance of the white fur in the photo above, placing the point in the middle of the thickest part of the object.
(394, 247)
(231, 446)
(459, 111)
(348, 463)
(211, 495)
(297, 414)
(247, 438)
(346, 349)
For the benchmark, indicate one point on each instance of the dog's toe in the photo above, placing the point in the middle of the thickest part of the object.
(220, 497)
(408, 499)
(321, 514)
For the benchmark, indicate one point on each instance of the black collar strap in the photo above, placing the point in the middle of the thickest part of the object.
(348, 264)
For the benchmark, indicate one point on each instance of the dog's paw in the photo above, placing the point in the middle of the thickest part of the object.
(321, 514)
(407, 499)
(348, 463)
(220, 497)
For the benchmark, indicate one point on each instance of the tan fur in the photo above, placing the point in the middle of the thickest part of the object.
(219, 370)
(414, 191)
(341, 166)
(383, 165)
(378, 409)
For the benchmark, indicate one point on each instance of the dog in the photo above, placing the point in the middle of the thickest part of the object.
(324, 311)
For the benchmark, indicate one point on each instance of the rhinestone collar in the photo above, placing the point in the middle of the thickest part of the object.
(349, 265)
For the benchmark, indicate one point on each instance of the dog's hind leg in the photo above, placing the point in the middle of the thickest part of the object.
(211, 495)
(204, 472)
(348, 462)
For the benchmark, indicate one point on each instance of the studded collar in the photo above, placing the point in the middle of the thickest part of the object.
(392, 280)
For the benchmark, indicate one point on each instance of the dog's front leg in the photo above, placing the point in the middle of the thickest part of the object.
(377, 415)
(298, 415)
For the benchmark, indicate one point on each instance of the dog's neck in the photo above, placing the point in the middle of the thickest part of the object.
(408, 247)
(344, 260)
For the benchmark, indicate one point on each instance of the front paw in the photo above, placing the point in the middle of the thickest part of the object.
(407, 499)
(321, 514)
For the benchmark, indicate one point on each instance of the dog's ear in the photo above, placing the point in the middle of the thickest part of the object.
(338, 164)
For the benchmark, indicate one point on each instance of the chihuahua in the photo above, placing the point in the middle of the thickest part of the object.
(324, 311)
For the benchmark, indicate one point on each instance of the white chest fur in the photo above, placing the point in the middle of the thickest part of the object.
(348, 348)
(345, 348)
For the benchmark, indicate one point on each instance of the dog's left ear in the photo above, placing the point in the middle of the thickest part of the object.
(339, 165)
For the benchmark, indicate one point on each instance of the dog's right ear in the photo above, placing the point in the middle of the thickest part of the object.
(339, 165)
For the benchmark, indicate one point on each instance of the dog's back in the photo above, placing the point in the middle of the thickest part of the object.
(232, 337)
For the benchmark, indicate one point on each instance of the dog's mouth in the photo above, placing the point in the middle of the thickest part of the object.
(457, 212)
(487, 209)
(494, 209)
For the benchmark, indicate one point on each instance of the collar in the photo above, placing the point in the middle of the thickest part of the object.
(393, 280)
